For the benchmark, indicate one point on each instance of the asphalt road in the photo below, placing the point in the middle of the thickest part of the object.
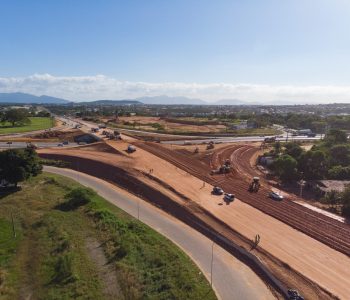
(242, 139)
(231, 278)
(17, 145)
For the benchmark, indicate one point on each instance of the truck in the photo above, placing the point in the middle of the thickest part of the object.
(271, 139)
(254, 185)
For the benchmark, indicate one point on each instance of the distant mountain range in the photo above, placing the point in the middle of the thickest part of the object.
(22, 98)
(111, 102)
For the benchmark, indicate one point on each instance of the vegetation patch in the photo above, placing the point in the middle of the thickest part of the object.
(49, 258)
(32, 124)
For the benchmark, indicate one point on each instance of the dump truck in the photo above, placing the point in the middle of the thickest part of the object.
(131, 149)
(254, 185)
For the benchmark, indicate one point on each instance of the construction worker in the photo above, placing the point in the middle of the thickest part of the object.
(257, 239)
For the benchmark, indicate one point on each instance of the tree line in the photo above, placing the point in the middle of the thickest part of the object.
(328, 159)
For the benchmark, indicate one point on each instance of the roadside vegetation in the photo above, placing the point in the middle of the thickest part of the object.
(35, 123)
(17, 120)
(58, 224)
(327, 159)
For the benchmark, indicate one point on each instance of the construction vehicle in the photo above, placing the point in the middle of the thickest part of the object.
(271, 139)
(210, 145)
(131, 149)
(254, 185)
(196, 150)
(224, 169)
(227, 163)
(294, 295)
(31, 146)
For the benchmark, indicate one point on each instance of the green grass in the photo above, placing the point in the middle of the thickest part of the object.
(49, 259)
(36, 123)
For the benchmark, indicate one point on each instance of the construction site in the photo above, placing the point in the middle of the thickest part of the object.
(288, 245)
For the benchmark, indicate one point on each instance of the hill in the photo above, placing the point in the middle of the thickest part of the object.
(112, 102)
(167, 100)
(23, 98)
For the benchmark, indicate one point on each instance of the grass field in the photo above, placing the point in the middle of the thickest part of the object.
(52, 256)
(36, 123)
(195, 126)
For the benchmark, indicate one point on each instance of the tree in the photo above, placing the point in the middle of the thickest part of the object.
(340, 155)
(336, 136)
(339, 173)
(345, 198)
(293, 149)
(285, 167)
(332, 198)
(18, 165)
(313, 164)
(15, 116)
(277, 147)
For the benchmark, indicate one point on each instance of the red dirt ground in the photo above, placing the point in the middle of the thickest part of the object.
(322, 228)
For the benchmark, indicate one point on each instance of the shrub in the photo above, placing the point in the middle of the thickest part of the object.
(63, 269)
(76, 198)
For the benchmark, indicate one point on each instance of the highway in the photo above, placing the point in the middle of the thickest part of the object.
(4, 145)
(241, 139)
(231, 279)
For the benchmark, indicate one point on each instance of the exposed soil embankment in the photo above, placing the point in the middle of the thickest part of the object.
(200, 219)
(324, 229)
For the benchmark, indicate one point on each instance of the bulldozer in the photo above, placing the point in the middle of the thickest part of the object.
(254, 185)
(224, 169)
(210, 145)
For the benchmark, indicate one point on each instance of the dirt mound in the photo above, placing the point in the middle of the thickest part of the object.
(67, 135)
(100, 147)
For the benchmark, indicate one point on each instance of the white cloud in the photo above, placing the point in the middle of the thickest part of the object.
(79, 88)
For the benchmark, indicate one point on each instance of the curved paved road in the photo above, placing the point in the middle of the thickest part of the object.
(231, 278)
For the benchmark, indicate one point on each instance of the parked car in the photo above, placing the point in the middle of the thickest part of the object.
(217, 191)
(275, 196)
(229, 197)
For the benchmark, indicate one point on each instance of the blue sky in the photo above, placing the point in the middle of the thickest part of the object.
(274, 43)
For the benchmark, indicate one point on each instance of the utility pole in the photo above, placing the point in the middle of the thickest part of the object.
(13, 226)
(211, 264)
(302, 184)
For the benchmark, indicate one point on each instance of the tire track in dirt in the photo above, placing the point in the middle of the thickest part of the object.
(322, 228)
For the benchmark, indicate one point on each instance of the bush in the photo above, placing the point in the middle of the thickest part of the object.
(55, 163)
(76, 198)
(63, 269)
(339, 173)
